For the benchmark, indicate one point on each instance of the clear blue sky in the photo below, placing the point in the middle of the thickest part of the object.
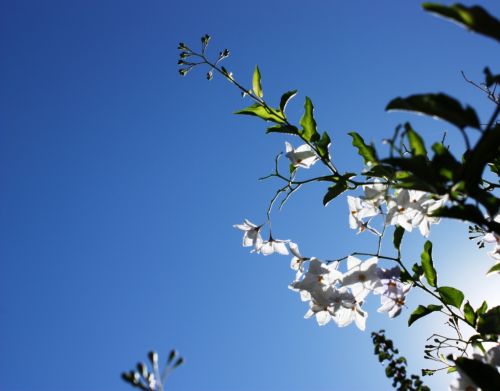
(120, 183)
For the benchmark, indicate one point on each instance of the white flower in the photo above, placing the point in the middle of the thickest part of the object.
(413, 208)
(251, 236)
(304, 156)
(394, 299)
(358, 210)
(361, 277)
(298, 260)
(346, 309)
(375, 193)
(273, 246)
(320, 306)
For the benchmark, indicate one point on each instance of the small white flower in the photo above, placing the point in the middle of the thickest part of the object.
(493, 237)
(251, 235)
(304, 156)
(273, 246)
(361, 277)
(318, 278)
(375, 193)
(348, 309)
(394, 299)
(358, 210)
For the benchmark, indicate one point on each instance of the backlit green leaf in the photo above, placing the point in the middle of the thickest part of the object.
(470, 315)
(367, 152)
(451, 296)
(309, 132)
(416, 142)
(267, 114)
(256, 86)
(428, 265)
(494, 269)
(437, 105)
(422, 311)
(473, 18)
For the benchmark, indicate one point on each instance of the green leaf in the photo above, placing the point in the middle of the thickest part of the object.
(428, 265)
(367, 152)
(267, 114)
(322, 145)
(416, 142)
(494, 269)
(437, 105)
(285, 98)
(257, 88)
(398, 237)
(289, 129)
(451, 369)
(483, 375)
(470, 315)
(422, 311)
(486, 150)
(473, 18)
(489, 322)
(309, 132)
(461, 212)
(444, 163)
(334, 191)
(481, 310)
(451, 296)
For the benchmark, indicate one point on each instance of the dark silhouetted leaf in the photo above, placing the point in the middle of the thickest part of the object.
(451, 296)
(428, 265)
(489, 78)
(334, 191)
(285, 98)
(473, 18)
(289, 129)
(422, 311)
(322, 145)
(398, 237)
(489, 322)
(483, 375)
(437, 105)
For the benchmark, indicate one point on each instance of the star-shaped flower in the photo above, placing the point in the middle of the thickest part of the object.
(304, 156)
(361, 277)
(251, 235)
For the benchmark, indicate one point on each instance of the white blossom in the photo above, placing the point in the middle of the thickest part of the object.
(272, 246)
(251, 235)
(375, 193)
(304, 156)
(361, 277)
(358, 210)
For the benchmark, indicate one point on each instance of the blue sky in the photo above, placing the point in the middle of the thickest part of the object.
(121, 182)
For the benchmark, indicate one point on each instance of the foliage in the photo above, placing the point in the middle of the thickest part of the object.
(396, 366)
(412, 187)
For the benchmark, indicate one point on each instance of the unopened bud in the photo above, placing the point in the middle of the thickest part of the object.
(153, 357)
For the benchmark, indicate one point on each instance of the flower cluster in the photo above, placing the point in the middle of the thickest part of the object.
(406, 208)
(333, 295)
